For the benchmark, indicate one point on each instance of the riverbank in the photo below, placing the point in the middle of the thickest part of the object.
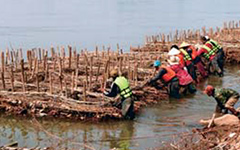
(218, 137)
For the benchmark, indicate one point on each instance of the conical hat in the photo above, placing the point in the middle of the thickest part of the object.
(184, 44)
(173, 51)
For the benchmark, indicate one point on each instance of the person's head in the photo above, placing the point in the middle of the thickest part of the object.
(174, 46)
(204, 39)
(209, 90)
(157, 64)
(114, 73)
(184, 45)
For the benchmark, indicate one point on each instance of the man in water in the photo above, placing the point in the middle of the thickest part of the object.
(226, 99)
(121, 86)
(168, 77)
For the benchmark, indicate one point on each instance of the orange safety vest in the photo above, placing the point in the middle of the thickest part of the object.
(194, 52)
(181, 59)
(169, 75)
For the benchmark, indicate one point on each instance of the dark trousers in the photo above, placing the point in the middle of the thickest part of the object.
(174, 88)
(220, 59)
(128, 108)
(192, 71)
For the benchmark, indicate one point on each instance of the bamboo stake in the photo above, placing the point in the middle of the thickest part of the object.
(84, 91)
(22, 75)
(3, 70)
(77, 61)
(12, 79)
(60, 74)
(91, 73)
(50, 83)
(76, 78)
(72, 83)
(40, 54)
(70, 56)
(37, 80)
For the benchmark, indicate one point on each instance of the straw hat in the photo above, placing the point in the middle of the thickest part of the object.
(173, 51)
(184, 44)
(173, 60)
(114, 73)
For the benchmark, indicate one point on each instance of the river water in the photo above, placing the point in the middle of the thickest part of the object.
(30, 24)
(87, 23)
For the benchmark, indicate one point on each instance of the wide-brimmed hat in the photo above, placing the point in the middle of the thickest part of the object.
(173, 60)
(184, 44)
(173, 51)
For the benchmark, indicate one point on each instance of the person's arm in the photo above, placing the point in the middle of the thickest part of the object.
(158, 76)
(113, 92)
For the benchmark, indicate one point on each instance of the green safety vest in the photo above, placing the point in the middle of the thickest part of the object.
(186, 55)
(213, 51)
(123, 84)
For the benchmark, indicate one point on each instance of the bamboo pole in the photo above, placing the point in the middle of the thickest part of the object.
(60, 74)
(76, 78)
(70, 56)
(72, 83)
(84, 91)
(22, 75)
(50, 83)
(3, 70)
(12, 78)
(91, 73)
(37, 80)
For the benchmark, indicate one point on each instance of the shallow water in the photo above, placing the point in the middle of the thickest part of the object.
(88, 23)
(153, 126)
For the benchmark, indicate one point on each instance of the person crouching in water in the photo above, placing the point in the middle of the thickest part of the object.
(185, 79)
(226, 99)
(214, 55)
(121, 86)
(190, 50)
(168, 77)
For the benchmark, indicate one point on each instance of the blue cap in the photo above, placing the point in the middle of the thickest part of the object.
(157, 63)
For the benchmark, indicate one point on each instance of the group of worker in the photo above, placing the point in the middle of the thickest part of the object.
(179, 75)
(186, 64)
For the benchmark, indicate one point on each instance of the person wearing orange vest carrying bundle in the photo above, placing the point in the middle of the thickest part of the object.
(188, 49)
(121, 86)
(185, 80)
(213, 53)
(168, 77)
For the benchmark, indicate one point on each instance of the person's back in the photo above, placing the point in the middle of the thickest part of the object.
(121, 86)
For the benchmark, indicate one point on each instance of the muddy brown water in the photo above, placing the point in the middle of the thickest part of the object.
(153, 126)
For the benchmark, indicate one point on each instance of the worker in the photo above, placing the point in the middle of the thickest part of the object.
(185, 79)
(168, 77)
(209, 51)
(121, 86)
(187, 59)
(219, 52)
(226, 99)
(190, 50)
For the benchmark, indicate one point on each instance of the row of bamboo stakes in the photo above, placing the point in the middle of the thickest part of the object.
(54, 63)
(191, 34)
